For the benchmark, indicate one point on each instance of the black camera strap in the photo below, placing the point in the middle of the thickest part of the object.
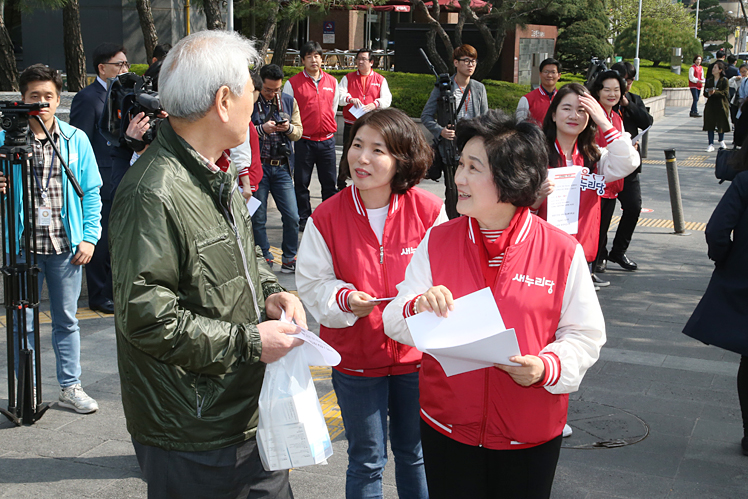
(464, 96)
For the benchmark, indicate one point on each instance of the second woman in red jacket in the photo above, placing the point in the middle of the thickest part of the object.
(355, 250)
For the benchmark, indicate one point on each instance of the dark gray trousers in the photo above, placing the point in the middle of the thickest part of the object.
(233, 472)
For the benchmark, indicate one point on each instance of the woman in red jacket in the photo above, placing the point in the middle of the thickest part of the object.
(355, 249)
(496, 432)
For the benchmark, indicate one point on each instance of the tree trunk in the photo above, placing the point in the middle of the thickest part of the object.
(269, 30)
(213, 17)
(150, 36)
(8, 69)
(75, 57)
(441, 65)
(282, 37)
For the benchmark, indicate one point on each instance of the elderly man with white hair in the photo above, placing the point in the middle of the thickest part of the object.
(196, 309)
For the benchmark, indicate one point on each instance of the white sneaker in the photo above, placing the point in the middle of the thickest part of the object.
(73, 397)
(567, 431)
(722, 145)
(710, 148)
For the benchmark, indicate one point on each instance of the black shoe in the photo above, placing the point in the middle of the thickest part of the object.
(601, 266)
(106, 308)
(597, 281)
(697, 115)
(623, 261)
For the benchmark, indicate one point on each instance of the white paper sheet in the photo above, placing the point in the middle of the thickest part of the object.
(563, 202)
(252, 205)
(317, 352)
(472, 337)
(358, 111)
(638, 137)
(379, 300)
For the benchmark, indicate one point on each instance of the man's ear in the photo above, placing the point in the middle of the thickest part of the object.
(223, 103)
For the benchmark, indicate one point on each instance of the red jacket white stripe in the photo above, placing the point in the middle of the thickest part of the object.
(340, 253)
(543, 291)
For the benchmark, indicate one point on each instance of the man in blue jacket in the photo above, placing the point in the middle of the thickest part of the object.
(65, 239)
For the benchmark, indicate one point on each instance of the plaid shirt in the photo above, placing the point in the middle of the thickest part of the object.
(267, 139)
(46, 175)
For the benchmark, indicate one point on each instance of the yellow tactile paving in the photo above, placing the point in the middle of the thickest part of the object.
(660, 223)
(83, 314)
(329, 403)
(691, 161)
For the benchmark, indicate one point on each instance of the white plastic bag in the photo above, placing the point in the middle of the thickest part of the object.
(292, 431)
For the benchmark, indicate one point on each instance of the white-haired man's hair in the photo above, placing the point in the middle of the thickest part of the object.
(198, 66)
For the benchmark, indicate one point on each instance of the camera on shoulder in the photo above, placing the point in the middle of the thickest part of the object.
(128, 95)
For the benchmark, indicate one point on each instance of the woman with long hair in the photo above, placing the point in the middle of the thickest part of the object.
(720, 317)
(496, 431)
(717, 109)
(571, 129)
(355, 249)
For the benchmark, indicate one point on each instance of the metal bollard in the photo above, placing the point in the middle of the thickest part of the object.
(679, 224)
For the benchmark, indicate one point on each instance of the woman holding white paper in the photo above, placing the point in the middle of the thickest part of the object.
(571, 126)
(355, 249)
(496, 432)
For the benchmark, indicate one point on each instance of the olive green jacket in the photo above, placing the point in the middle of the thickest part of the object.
(189, 292)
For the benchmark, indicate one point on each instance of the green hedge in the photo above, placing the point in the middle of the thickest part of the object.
(138, 68)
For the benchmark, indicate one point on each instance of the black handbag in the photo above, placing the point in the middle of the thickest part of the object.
(723, 169)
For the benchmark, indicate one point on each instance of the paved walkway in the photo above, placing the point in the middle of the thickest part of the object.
(656, 417)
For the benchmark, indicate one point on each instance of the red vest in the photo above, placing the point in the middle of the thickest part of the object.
(359, 259)
(357, 91)
(539, 101)
(613, 188)
(588, 228)
(315, 105)
(698, 73)
(486, 407)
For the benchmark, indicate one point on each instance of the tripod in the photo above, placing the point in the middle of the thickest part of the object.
(21, 275)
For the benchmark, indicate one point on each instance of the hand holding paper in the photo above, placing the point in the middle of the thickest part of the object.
(361, 303)
(437, 300)
(530, 371)
(472, 337)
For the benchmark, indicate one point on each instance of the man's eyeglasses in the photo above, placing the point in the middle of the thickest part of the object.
(550, 73)
(119, 64)
(468, 62)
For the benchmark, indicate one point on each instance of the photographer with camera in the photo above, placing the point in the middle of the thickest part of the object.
(277, 120)
(109, 60)
(473, 102)
(67, 227)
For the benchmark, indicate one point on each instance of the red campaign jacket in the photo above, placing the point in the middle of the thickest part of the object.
(698, 73)
(315, 105)
(366, 95)
(588, 233)
(486, 407)
(359, 259)
(539, 101)
(613, 188)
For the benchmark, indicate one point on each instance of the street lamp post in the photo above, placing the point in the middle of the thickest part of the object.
(230, 16)
(696, 27)
(638, 34)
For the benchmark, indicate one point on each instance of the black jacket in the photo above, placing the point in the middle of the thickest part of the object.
(635, 118)
(721, 316)
(85, 113)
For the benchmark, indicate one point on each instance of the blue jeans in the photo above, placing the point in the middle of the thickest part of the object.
(277, 181)
(64, 285)
(710, 135)
(695, 92)
(364, 404)
(309, 153)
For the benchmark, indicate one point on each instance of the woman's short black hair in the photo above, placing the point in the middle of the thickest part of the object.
(607, 75)
(404, 140)
(516, 154)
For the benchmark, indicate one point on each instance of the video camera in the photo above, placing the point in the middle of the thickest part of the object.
(15, 120)
(128, 95)
(596, 67)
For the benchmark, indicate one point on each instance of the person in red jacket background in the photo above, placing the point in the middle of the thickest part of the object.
(352, 256)
(316, 93)
(535, 104)
(496, 431)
